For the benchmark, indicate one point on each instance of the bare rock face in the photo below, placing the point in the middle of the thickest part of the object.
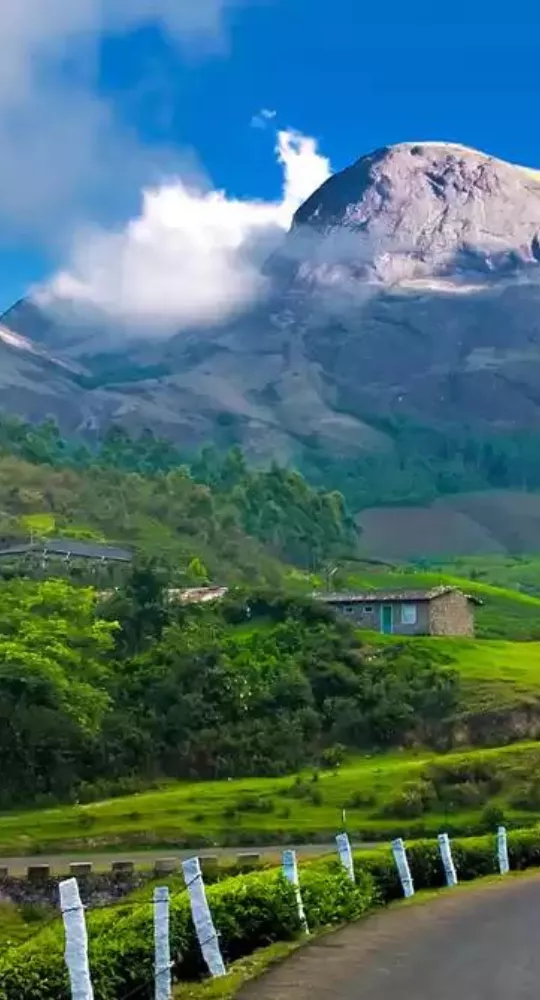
(418, 210)
(409, 283)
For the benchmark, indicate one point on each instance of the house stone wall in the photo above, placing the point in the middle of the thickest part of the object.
(356, 612)
(451, 614)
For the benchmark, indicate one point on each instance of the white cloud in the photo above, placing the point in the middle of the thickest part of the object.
(61, 143)
(192, 257)
(262, 118)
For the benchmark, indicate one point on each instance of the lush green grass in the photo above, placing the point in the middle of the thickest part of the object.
(18, 923)
(520, 573)
(267, 810)
(495, 674)
(504, 613)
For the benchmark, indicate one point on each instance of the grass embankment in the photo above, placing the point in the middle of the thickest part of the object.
(494, 674)
(19, 922)
(401, 793)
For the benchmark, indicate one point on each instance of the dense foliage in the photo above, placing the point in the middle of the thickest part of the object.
(425, 462)
(251, 685)
(249, 912)
(142, 491)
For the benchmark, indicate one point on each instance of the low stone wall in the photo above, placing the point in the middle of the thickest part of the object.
(40, 885)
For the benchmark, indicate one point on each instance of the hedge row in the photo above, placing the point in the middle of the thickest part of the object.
(249, 911)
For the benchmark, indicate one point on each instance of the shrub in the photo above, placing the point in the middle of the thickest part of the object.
(256, 804)
(492, 817)
(466, 793)
(414, 799)
(475, 770)
(358, 800)
(250, 912)
(333, 757)
(526, 795)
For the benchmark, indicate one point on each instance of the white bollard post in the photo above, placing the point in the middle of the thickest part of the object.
(202, 918)
(447, 860)
(290, 871)
(76, 952)
(345, 854)
(402, 865)
(502, 851)
(162, 949)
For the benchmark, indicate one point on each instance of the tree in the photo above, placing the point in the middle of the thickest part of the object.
(141, 609)
(53, 672)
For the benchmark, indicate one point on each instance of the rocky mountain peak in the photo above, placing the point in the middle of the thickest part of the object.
(424, 209)
(408, 285)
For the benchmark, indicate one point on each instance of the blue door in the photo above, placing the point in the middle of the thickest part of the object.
(387, 619)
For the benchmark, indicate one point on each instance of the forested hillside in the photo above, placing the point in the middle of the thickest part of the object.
(96, 698)
(215, 519)
(423, 462)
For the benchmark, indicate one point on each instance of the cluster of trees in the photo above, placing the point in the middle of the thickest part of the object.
(424, 463)
(96, 696)
(234, 522)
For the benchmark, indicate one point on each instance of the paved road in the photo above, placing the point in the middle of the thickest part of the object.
(478, 944)
(59, 863)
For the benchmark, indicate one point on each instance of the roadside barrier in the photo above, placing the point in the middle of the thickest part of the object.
(202, 918)
(162, 946)
(76, 953)
(402, 865)
(290, 871)
(237, 916)
(502, 851)
(445, 848)
(345, 854)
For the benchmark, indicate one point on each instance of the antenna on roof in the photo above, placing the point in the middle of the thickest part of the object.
(330, 574)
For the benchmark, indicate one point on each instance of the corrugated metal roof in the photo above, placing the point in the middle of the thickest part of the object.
(70, 547)
(387, 596)
(198, 595)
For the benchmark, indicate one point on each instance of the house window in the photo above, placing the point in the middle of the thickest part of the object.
(368, 608)
(409, 615)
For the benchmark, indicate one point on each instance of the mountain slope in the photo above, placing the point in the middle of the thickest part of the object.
(408, 284)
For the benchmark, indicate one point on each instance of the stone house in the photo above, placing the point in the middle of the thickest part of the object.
(440, 611)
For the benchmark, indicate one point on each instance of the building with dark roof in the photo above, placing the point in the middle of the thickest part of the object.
(67, 548)
(441, 610)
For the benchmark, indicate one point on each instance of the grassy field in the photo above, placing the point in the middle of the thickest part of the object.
(495, 674)
(521, 573)
(267, 810)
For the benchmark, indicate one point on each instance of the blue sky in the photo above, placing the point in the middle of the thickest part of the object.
(173, 98)
(354, 75)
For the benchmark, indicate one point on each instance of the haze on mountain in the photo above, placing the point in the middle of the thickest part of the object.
(407, 284)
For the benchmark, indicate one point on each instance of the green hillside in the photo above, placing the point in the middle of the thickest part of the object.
(494, 674)
(519, 572)
(215, 520)
(405, 793)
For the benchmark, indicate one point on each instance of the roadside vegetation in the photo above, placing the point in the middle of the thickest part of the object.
(104, 697)
(251, 912)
